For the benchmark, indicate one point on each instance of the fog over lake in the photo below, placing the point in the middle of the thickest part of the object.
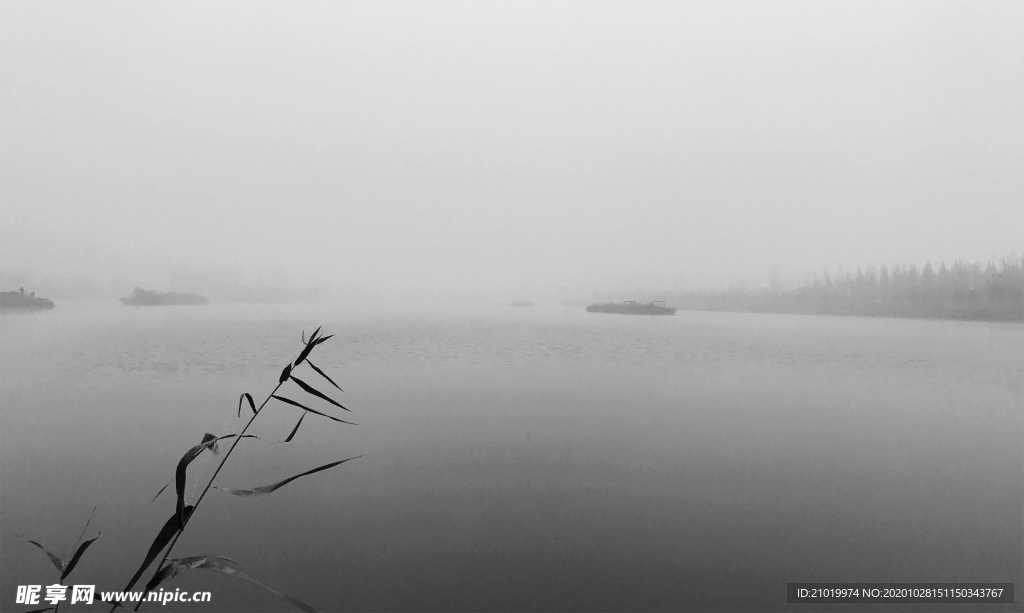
(189, 189)
(403, 149)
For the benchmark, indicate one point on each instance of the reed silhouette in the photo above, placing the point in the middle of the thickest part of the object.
(168, 568)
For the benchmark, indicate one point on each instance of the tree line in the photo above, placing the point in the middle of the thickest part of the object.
(960, 291)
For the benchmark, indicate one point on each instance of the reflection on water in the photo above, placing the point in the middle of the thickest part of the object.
(524, 458)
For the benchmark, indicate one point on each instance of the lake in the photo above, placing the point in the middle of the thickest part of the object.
(519, 458)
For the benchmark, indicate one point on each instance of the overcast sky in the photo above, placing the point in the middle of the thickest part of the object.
(493, 146)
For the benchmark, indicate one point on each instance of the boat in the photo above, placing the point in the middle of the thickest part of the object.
(520, 303)
(21, 300)
(145, 297)
(632, 307)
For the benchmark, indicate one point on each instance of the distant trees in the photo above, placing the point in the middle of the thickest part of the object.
(145, 297)
(961, 291)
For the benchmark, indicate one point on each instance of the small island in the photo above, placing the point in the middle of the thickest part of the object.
(145, 297)
(632, 307)
(520, 303)
(21, 300)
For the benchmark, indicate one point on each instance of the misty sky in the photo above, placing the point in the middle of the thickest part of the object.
(498, 146)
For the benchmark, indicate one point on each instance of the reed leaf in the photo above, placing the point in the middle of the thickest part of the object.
(323, 339)
(252, 405)
(296, 429)
(221, 438)
(312, 342)
(89, 521)
(290, 401)
(41, 610)
(266, 489)
(324, 375)
(54, 559)
(160, 492)
(76, 557)
(312, 391)
(162, 539)
(233, 572)
(305, 352)
(285, 374)
(212, 444)
(180, 471)
(305, 408)
(175, 568)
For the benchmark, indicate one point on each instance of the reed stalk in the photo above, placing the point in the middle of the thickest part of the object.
(202, 495)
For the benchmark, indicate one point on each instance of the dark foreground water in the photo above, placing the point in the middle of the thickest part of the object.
(522, 459)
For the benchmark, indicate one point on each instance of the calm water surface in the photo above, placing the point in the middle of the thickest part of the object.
(521, 459)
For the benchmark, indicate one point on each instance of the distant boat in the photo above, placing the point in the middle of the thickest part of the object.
(21, 300)
(632, 307)
(520, 303)
(145, 297)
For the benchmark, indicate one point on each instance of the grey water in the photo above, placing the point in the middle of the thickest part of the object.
(519, 459)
